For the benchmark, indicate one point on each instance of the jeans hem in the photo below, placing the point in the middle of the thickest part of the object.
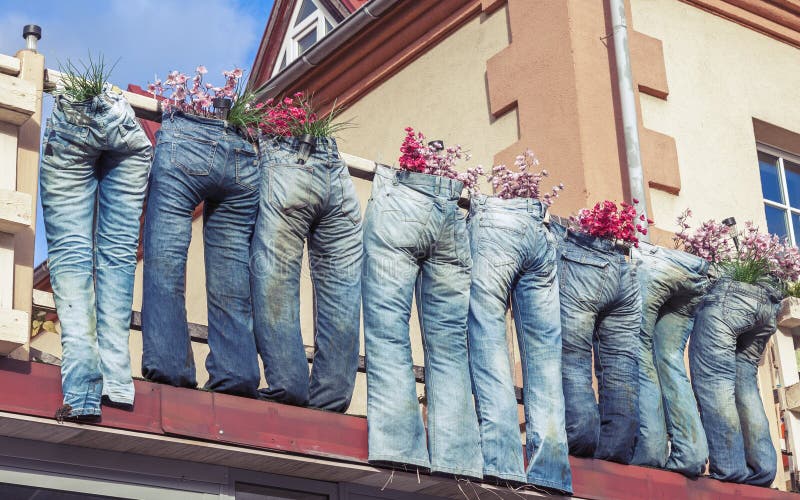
(566, 488)
(520, 478)
(457, 472)
(77, 412)
(397, 462)
(125, 400)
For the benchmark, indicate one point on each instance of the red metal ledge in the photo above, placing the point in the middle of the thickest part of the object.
(35, 389)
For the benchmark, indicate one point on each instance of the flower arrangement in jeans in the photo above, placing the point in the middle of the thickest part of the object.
(607, 220)
(524, 182)
(178, 92)
(433, 159)
(747, 256)
(82, 81)
(296, 116)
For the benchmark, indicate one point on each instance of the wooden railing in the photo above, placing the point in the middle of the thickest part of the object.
(21, 82)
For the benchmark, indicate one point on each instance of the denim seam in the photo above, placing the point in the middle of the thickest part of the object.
(399, 460)
(550, 484)
(428, 391)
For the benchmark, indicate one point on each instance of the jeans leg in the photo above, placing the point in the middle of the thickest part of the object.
(492, 380)
(232, 362)
(712, 360)
(277, 252)
(123, 181)
(68, 190)
(617, 372)
(651, 442)
(335, 253)
(759, 451)
(442, 293)
(172, 196)
(394, 420)
(581, 411)
(535, 302)
(689, 448)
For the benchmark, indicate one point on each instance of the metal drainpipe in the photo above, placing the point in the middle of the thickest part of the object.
(628, 105)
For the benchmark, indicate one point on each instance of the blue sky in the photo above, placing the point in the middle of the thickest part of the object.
(149, 37)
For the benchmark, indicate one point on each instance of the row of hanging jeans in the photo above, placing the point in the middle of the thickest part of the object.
(93, 177)
(577, 301)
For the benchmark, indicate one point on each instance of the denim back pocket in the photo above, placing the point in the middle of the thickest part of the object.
(247, 172)
(290, 185)
(582, 274)
(70, 131)
(498, 238)
(739, 310)
(193, 155)
(402, 216)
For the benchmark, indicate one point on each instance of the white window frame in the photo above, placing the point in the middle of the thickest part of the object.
(787, 208)
(290, 50)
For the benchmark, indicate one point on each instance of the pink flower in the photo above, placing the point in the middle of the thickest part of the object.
(605, 220)
(201, 70)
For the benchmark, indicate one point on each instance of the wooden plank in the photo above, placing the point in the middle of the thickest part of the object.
(15, 211)
(789, 313)
(8, 156)
(17, 99)
(9, 65)
(6, 270)
(14, 330)
(28, 142)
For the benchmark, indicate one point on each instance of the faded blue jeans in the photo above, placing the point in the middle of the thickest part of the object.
(514, 256)
(314, 201)
(93, 180)
(601, 311)
(416, 243)
(731, 330)
(200, 160)
(673, 283)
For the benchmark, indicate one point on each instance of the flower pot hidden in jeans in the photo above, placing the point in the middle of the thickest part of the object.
(307, 197)
(514, 256)
(731, 329)
(600, 311)
(93, 180)
(671, 434)
(200, 160)
(415, 243)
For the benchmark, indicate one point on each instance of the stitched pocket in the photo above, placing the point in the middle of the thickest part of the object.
(290, 186)
(246, 169)
(193, 155)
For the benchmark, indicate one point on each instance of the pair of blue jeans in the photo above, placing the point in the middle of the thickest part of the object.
(514, 257)
(312, 199)
(601, 311)
(731, 330)
(93, 180)
(200, 160)
(416, 243)
(670, 431)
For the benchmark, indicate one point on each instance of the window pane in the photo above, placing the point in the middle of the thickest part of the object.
(306, 9)
(306, 41)
(776, 221)
(257, 492)
(770, 180)
(792, 171)
(796, 227)
(328, 27)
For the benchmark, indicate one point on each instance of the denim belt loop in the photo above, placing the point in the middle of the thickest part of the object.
(395, 177)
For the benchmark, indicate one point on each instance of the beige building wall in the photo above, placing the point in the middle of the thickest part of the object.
(721, 76)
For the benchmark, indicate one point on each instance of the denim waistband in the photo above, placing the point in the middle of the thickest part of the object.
(587, 240)
(761, 291)
(518, 205)
(173, 121)
(691, 262)
(431, 185)
(323, 148)
(99, 103)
